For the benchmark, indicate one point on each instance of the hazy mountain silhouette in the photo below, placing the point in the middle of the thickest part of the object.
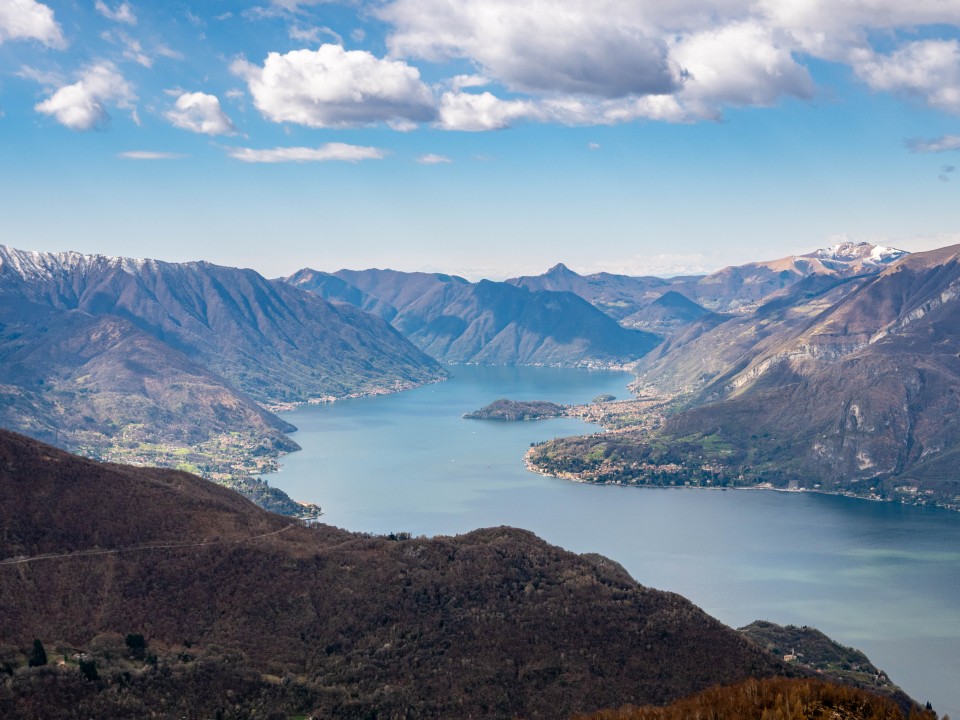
(454, 320)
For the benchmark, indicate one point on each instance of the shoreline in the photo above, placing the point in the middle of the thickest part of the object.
(650, 409)
(289, 407)
(279, 407)
(770, 487)
(242, 460)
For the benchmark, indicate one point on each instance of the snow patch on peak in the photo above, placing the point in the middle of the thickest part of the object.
(859, 252)
(134, 265)
(880, 253)
(33, 265)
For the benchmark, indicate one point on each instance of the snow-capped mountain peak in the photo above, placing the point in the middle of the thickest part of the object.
(859, 252)
(32, 265)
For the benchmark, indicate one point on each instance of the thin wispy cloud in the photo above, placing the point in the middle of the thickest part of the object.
(433, 159)
(313, 34)
(946, 143)
(294, 5)
(133, 50)
(341, 152)
(168, 52)
(43, 77)
(121, 13)
(151, 155)
(658, 264)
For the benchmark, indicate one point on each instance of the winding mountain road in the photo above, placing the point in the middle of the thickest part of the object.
(137, 548)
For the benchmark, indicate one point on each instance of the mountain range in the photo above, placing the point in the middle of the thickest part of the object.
(734, 289)
(155, 591)
(454, 320)
(150, 359)
(871, 385)
(839, 383)
(538, 320)
(836, 370)
(267, 339)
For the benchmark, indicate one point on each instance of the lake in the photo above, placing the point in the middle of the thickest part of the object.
(881, 577)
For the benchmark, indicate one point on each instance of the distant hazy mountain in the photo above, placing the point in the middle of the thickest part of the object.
(337, 289)
(743, 287)
(455, 320)
(616, 295)
(667, 314)
(97, 351)
(738, 288)
(247, 613)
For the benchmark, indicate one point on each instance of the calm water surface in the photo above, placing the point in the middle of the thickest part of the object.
(884, 578)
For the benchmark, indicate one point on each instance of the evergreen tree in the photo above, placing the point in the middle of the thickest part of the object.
(89, 669)
(137, 645)
(38, 656)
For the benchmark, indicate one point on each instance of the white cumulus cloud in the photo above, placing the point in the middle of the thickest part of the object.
(483, 111)
(459, 82)
(594, 47)
(928, 69)
(830, 28)
(663, 108)
(200, 113)
(599, 61)
(333, 87)
(743, 63)
(82, 105)
(331, 151)
(606, 61)
(29, 20)
(832, 14)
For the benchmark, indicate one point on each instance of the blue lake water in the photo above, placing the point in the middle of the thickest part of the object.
(881, 577)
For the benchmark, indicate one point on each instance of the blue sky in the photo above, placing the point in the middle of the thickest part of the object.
(483, 137)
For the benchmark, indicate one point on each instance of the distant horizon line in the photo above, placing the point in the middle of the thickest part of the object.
(478, 274)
